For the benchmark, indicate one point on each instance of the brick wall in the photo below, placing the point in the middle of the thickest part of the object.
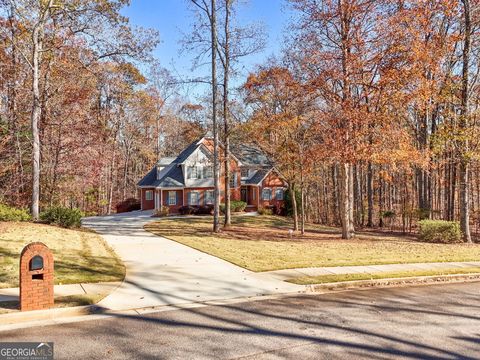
(147, 204)
(36, 294)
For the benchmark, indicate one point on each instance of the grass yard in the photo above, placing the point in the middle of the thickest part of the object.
(262, 243)
(322, 279)
(80, 256)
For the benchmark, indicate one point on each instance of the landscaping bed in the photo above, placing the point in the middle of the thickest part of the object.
(263, 243)
(81, 256)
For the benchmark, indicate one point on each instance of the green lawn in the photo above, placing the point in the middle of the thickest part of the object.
(262, 244)
(322, 279)
(80, 256)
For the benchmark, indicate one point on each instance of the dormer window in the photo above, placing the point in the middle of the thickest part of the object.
(159, 169)
(244, 173)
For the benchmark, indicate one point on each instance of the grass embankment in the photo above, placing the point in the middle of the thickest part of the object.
(262, 243)
(80, 256)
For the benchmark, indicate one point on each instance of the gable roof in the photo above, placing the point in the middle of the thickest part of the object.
(250, 155)
(258, 177)
(171, 173)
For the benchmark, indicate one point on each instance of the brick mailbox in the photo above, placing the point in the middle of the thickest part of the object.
(36, 277)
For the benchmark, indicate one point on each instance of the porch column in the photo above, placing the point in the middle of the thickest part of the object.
(161, 199)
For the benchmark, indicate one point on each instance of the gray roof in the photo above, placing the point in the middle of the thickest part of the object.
(149, 179)
(250, 155)
(173, 178)
(171, 175)
(257, 177)
(189, 150)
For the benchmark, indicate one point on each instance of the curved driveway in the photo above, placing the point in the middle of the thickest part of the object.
(164, 272)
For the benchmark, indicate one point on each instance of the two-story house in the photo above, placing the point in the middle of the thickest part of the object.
(188, 179)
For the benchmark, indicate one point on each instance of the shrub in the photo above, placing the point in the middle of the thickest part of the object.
(264, 211)
(130, 204)
(90, 213)
(163, 211)
(204, 210)
(238, 206)
(187, 210)
(235, 206)
(439, 231)
(8, 213)
(62, 216)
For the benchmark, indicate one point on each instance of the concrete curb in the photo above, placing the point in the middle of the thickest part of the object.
(50, 314)
(392, 282)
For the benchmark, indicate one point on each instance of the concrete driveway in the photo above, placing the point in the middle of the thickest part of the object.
(164, 272)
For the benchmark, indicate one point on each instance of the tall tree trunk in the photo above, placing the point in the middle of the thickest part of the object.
(345, 201)
(370, 195)
(216, 167)
(464, 119)
(226, 73)
(294, 206)
(37, 36)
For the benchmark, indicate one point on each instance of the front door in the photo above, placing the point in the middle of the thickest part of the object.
(243, 194)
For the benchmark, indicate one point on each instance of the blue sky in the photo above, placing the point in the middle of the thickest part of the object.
(172, 18)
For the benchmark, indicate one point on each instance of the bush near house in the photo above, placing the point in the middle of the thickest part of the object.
(264, 211)
(235, 206)
(130, 204)
(8, 213)
(162, 212)
(196, 210)
(440, 231)
(62, 216)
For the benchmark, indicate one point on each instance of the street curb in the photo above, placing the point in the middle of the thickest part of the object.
(392, 282)
(50, 314)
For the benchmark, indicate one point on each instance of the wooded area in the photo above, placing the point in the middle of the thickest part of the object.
(371, 111)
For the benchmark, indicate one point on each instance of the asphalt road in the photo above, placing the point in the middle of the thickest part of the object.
(437, 321)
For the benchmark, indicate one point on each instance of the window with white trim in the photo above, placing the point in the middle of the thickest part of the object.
(267, 194)
(193, 198)
(172, 198)
(208, 197)
(279, 194)
(208, 172)
(149, 195)
(233, 180)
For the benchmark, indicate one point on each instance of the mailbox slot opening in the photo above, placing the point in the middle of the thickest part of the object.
(37, 277)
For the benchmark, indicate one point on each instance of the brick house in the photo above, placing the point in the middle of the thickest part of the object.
(188, 179)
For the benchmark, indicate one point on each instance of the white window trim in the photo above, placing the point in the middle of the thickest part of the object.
(212, 197)
(198, 198)
(283, 193)
(271, 194)
(148, 195)
(169, 198)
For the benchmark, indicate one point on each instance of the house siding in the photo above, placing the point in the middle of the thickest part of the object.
(147, 204)
(274, 182)
(173, 209)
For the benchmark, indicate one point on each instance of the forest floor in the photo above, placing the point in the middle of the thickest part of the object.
(80, 256)
(263, 243)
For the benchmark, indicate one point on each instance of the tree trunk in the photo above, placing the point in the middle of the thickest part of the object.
(216, 167)
(345, 200)
(294, 206)
(370, 195)
(226, 73)
(37, 36)
(464, 161)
